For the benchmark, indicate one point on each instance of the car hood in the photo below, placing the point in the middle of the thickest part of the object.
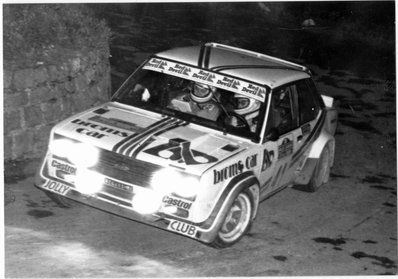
(150, 137)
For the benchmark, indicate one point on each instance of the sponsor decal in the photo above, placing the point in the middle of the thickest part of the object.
(182, 228)
(205, 76)
(56, 187)
(180, 69)
(117, 185)
(177, 202)
(97, 131)
(214, 79)
(286, 148)
(268, 157)
(235, 169)
(179, 150)
(63, 167)
(229, 82)
(254, 90)
(157, 64)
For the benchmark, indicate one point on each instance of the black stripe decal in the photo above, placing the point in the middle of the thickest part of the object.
(147, 141)
(129, 138)
(201, 54)
(130, 145)
(207, 57)
(132, 149)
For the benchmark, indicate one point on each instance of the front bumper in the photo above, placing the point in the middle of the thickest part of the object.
(204, 232)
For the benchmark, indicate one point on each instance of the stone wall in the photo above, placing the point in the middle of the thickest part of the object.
(37, 98)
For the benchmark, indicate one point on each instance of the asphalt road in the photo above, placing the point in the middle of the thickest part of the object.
(348, 227)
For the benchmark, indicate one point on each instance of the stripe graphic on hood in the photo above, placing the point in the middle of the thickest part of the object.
(131, 143)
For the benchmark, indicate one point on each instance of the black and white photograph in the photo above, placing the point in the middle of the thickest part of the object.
(199, 139)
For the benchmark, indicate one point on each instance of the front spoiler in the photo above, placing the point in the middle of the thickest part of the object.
(200, 232)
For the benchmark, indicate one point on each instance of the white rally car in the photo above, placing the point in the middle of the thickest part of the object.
(194, 140)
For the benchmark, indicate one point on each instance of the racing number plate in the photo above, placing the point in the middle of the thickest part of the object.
(56, 187)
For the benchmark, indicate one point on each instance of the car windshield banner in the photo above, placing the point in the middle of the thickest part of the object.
(248, 89)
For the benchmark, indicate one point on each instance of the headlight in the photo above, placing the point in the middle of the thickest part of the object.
(61, 147)
(88, 182)
(80, 154)
(84, 155)
(167, 181)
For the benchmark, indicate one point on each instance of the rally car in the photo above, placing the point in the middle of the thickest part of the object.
(193, 140)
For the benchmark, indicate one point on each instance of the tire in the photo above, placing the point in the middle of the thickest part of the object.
(321, 172)
(59, 200)
(236, 223)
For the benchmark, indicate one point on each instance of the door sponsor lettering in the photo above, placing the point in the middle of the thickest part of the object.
(286, 148)
(268, 157)
(235, 169)
(56, 187)
(182, 228)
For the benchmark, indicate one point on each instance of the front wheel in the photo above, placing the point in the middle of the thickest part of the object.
(236, 223)
(321, 172)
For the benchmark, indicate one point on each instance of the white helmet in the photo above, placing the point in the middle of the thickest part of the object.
(245, 106)
(202, 93)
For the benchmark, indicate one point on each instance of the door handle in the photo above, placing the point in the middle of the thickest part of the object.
(299, 138)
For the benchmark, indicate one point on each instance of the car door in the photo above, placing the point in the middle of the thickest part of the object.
(282, 116)
(309, 111)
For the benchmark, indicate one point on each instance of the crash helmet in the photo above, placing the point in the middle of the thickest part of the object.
(245, 106)
(201, 92)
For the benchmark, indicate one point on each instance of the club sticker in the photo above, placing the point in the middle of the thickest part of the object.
(182, 228)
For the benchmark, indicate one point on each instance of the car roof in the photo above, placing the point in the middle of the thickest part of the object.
(240, 63)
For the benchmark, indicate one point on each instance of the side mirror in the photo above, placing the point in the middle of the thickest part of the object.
(272, 135)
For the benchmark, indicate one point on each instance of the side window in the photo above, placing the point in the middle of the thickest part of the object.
(307, 100)
(281, 114)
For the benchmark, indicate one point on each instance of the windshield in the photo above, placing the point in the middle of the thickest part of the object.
(206, 103)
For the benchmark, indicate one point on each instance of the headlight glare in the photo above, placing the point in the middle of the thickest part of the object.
(167, 181)
(80, 154)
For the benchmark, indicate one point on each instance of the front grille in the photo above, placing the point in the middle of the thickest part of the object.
(126, 169)
(121, 168)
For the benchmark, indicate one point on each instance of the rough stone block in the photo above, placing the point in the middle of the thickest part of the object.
(52, 112)
(7, 147)
(33, 116)
(41, 138)
(23, 78)
(7, 79)
(81, 83)
(40, 95)
(22, 143)
(13, 100)
(40, 75)
(12, 121)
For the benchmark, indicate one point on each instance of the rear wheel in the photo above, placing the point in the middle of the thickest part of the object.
(321, 172)
(236, 223)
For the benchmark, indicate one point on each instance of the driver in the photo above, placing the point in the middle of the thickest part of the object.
(199, 101)
(246, 107)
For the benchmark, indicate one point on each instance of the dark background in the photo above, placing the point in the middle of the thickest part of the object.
(357, 36)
